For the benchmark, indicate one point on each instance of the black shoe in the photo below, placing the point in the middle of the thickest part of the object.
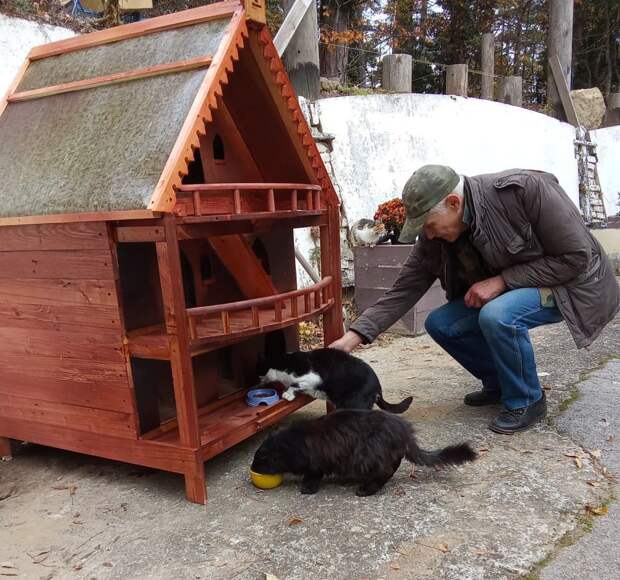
(512, 421)
(483, 397)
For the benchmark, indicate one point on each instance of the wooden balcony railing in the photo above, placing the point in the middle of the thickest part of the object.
(207, 199)
(259, 314)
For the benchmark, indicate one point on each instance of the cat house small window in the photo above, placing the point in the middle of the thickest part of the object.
(218, 149)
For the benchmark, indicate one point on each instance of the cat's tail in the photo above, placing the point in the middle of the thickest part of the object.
(452, 455)
(396, 408)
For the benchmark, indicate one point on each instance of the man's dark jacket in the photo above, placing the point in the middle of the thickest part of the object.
(528, 230)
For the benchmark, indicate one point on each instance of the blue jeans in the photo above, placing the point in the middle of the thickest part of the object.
(493, 342)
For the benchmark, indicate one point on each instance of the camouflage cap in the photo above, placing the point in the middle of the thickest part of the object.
(423, 190)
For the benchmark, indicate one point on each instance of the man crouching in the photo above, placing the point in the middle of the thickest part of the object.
(512, 253)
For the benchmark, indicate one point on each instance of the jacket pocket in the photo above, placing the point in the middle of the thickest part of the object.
(524, 244)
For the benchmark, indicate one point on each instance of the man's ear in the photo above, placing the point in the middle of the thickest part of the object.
(453, 201)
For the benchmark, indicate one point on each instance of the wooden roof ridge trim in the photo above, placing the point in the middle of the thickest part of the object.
(164, 196)
(112, 79)
(126, 31)
(280, 78)
(62, 218)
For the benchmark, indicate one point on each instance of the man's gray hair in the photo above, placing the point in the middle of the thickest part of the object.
(441, 206)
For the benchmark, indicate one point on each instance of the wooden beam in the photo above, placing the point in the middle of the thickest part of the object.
(126, 31)
(63, 218)
(244, 186)
(291, 23)
(112, 79)
(243, 265)
(564, 93)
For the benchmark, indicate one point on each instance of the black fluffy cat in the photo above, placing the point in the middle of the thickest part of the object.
(347, 382)
(363, 446)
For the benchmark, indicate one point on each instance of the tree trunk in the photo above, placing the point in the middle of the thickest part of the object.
(335, 19)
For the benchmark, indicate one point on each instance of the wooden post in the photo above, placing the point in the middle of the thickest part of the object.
(177, 327)
(456, 80)
(487, 62)
(301, 54)
(511, 91)
(613, 102)
(397, 71)
(560, 41)
(5, 449)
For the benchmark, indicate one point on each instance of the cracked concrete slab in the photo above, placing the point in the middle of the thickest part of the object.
(72, 516)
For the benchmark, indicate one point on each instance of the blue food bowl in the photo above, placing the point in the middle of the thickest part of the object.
(256, 397)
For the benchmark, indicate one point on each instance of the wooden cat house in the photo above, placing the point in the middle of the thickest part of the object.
(151, 177)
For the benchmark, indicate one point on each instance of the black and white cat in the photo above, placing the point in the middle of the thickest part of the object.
(347, 382)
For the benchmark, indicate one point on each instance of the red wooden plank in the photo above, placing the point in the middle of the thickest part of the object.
(97, 346)
(57, 292)
(77, 318)
(70, 236)
(81, 264)
(63, 415)
(138, 452)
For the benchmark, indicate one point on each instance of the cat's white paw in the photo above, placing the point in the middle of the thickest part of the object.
(288, 395)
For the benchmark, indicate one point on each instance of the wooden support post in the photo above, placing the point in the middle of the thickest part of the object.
(397, 73)
(567, 109)
(5, 449)
(487, 62)
(170, 275)
(511, 91)
(300, 54)
(456, 80)
(333, 327)
(237, 201)
(255, 317)
(308, 200)
(294, 200)
(560, 41)
(271, 200)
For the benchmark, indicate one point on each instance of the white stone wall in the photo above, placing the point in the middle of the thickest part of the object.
(379, 140)
(17, 37)
(608, 150)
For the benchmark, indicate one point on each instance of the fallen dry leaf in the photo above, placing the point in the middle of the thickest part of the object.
(610, 439)
(270, 577)
(597, 511)
(578, 462)
(443, 547)
(7, 565)
(593, 483)
(395, 566)
(480, 552)
(108, 564)
(295, 521)
(596, 453)
(5, 572)
(572, 455)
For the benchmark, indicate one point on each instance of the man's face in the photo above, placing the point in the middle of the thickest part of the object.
(447, 225)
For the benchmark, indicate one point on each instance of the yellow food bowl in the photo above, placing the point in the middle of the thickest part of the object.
(264, 481)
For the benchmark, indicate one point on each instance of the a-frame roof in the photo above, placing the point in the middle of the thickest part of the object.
(103, 126)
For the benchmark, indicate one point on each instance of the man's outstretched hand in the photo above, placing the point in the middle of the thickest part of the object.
(482, 292)
(347, 342)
